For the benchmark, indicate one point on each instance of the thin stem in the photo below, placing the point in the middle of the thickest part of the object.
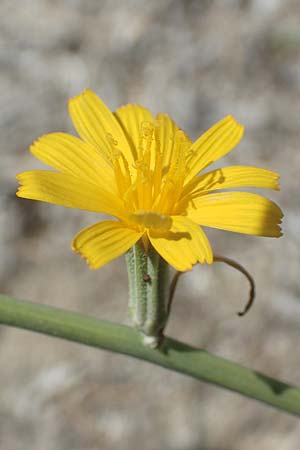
(229, 262)
(172, 355)
(172, 290)
(240, 268)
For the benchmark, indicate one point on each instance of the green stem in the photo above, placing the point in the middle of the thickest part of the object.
(148, 291)
(173, 355)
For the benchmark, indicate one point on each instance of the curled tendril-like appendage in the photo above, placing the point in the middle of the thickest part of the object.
(229, 262)
(240, 268)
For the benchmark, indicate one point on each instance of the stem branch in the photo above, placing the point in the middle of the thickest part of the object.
(172, 354)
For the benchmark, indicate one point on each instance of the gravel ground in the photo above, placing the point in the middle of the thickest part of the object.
(197, 61)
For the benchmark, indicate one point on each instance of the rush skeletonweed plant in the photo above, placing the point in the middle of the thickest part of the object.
(147, 173)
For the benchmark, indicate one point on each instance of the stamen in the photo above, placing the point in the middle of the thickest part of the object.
(142, 166)
(172, 187)
(141, 181)
(146, 137)
(147, 129)
(113, 142)
(157, 172)
(149, 189)
(120, 165)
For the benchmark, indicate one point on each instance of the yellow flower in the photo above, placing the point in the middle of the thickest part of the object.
(144, 172)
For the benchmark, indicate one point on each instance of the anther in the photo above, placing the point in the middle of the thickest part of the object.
(116, 154)
(113, 142)
(147, 129)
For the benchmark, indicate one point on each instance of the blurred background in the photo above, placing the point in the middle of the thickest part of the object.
(197, 61)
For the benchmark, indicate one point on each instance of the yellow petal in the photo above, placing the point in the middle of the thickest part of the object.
(66, 190)
(215, 143)
(104, 241)
(241, 212)
(183, 245)
(96, 124)
(131, 118)
(231, 177)
(72, 156)
(167, 131)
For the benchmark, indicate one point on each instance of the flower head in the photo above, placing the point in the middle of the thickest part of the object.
(144, 172)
